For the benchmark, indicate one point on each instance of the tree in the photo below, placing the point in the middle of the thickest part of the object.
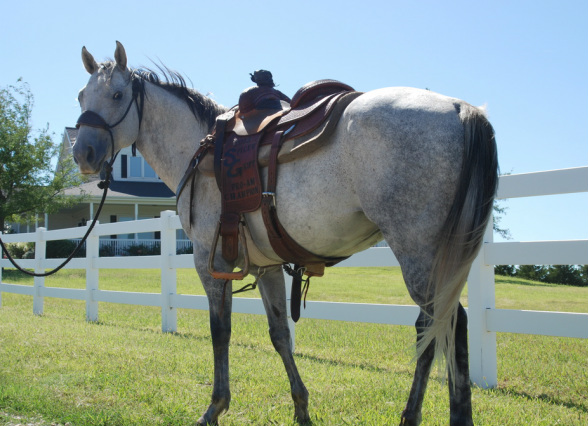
(532, 272)
(29, 184)
(564, 274)
(506, 270)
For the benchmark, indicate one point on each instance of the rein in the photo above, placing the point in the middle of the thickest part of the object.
(102, 185)
(93, 119)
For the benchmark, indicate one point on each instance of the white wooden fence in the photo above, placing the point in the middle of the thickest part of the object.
(484, 319)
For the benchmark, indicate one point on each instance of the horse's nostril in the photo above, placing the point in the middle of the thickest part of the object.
(91, 155)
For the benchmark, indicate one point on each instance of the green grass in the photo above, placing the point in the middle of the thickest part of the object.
(57, 368)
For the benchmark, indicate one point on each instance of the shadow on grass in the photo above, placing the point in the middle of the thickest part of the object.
(506, 391)
(359, 365)
(205, 338)
(505, 280)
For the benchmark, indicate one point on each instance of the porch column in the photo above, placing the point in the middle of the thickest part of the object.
(136, 218)
(91, 212)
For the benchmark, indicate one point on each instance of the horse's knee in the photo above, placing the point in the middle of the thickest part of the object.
(280, 338)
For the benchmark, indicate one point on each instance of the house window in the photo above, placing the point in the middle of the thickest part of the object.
(136, 163)
(137, 168)
(142, 235)
(123, 166)
(148, 171)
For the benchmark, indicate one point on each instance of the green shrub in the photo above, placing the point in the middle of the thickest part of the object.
(144, 250)
(21, 250)
(61, 249)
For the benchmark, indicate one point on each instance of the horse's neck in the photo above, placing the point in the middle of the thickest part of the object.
(169, 134)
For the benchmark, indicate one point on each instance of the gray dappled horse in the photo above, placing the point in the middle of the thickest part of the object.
(410, 166)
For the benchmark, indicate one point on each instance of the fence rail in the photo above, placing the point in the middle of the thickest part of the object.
(123, 246)
(484, 319)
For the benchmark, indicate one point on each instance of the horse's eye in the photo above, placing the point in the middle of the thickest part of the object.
(117, 96)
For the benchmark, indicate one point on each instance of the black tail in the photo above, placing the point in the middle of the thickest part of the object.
(463, 231)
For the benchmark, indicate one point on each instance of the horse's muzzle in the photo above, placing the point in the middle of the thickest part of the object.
(88, 156)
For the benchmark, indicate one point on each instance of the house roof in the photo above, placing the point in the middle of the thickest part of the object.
(72, 134)
(125, 189)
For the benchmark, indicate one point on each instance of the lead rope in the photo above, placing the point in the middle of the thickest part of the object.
(102, 185)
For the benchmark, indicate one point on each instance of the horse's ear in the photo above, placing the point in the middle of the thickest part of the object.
(89, 61)
(120, 56)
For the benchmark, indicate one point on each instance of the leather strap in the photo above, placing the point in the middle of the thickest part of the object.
(205, 145)
(218, 149)
(296, 294)
(284, 246)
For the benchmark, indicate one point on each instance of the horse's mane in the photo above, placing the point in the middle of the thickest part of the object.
(203, 108)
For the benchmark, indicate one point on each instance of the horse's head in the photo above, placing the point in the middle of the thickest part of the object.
(110, 111)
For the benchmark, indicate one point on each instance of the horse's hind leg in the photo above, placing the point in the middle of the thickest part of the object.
(460, 397)
(273, 293)
(411, 416)
(460, 394)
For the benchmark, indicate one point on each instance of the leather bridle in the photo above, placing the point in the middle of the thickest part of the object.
(93, 119)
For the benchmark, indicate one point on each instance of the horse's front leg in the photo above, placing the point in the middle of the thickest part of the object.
(219, 295)
(272, 289)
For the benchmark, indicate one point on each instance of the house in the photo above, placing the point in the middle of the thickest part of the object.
(135, 193)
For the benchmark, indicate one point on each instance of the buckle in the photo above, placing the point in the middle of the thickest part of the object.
(271, 195)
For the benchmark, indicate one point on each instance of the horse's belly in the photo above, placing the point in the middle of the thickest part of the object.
(338, 238)
(318, 209)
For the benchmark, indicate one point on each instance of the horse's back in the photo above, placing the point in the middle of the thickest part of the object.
(407, 115)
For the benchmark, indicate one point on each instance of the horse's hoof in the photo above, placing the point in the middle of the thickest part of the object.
(203, 422)
(405, 421)
(305, 421)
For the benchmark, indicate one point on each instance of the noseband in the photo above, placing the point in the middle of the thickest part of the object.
(93, 119)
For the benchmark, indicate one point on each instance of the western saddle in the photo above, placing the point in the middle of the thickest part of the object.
(264, 129)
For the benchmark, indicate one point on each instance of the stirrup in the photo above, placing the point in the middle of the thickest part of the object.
(238, 275)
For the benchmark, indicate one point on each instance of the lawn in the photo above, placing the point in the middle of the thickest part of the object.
(58, 369)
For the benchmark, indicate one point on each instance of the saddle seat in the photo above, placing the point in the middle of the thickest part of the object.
(258, 106)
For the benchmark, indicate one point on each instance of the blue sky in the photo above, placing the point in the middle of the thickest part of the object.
(526, 60)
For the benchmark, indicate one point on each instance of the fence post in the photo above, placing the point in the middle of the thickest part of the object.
(169, 315)
(92, 273)
(481, 298)
(1, 269)
(39, 282)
